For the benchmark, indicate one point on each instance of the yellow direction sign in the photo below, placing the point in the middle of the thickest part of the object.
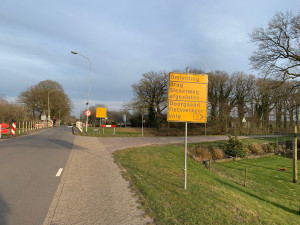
(101, 112)
(187, 98)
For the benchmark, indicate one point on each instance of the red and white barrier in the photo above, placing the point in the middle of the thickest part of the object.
(3, 128)
(114, 126)
(13, 128)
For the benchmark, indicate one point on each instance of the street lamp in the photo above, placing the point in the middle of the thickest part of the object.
(49, 107)
(88, 101)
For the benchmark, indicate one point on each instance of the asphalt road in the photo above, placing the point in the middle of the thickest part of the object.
(28, 169)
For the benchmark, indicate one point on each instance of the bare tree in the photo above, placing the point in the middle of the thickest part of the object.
(278, 53)
(243, 88)
(222, 99)
(35, 99)
(10, 111)
(150, 94)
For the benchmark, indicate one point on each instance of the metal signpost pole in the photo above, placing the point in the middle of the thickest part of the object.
(185, 146)
(185, 156)
(142, 124)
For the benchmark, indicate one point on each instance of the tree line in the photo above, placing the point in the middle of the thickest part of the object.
(35, 101)
(239, 101)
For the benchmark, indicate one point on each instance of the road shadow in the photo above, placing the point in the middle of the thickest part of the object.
(4, 210)
(66, 144)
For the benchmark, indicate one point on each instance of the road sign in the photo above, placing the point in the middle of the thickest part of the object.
(187, 98)
(101, 112)
(87, 112)
(4, 131)
(4, 125)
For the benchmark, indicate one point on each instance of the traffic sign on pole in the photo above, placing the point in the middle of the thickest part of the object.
(187, 98)
(87, 112)
(101, 112)
(187, 102)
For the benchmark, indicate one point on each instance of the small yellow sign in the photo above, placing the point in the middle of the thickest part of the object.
(187, 98)
(101, 112)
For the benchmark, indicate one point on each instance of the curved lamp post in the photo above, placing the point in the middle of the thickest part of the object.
(88, 101)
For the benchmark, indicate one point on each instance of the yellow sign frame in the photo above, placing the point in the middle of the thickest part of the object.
(187, 97)
(100, 112)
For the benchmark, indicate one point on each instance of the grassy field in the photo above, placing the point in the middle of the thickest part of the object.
(214, 196)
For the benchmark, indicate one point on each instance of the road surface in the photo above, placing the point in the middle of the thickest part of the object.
(28, 169)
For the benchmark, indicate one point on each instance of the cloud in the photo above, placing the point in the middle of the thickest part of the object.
(123, 39)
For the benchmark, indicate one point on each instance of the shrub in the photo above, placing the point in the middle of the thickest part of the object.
(193, 153)
(217, 153)
(205, 153)
(256, 148)
(199, 153)
(268, 148)
(281, 148)
(235, 148)
(274, 146)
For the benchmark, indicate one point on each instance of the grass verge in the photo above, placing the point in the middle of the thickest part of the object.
(214, 196)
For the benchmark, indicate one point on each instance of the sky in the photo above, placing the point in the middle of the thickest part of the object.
(123, 40)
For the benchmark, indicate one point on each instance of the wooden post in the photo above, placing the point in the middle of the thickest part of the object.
(295, 176)
(245, 180)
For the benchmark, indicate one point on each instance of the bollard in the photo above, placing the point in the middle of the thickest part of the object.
(13, 129)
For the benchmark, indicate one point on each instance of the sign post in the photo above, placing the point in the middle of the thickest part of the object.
(187, 102)
(87, 113)
(100, 113)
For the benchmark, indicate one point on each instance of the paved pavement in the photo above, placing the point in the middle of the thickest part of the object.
(92, 190)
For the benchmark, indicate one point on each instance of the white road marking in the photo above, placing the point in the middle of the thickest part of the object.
(59, 172)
